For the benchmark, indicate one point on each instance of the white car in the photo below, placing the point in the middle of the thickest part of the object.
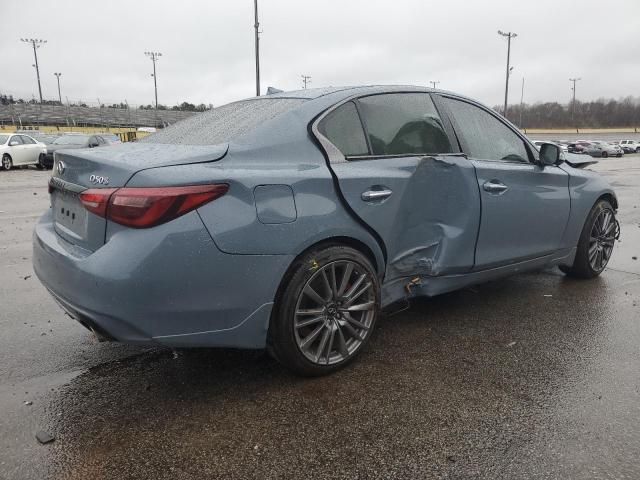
(18, 149)
(630, 146)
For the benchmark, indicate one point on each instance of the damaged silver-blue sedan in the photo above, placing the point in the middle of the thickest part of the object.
(288, 221)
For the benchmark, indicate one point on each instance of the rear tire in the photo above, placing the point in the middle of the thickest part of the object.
(604, 155)
(326, 312)
(7, 162)
(595, 244)
(40, 165)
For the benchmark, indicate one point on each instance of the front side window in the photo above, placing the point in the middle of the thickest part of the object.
(15, 139)
(342, 127)
(487, 138)
(403, 123)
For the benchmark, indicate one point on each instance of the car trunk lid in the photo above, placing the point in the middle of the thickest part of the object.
(108, 167)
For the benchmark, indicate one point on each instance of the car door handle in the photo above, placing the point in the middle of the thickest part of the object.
(495, 186)
(373, 195)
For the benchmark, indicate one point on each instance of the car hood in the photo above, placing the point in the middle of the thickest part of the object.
(578, 161)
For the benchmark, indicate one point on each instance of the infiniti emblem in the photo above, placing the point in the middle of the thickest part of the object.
(60, 167)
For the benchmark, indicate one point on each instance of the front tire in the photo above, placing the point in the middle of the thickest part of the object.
(7, 162)
(326, 312)
(40, 165)
(596, 242)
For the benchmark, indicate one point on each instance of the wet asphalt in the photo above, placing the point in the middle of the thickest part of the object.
(534, 376)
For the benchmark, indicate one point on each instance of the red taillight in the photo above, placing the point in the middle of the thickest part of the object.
(96, 200)
(148, 207)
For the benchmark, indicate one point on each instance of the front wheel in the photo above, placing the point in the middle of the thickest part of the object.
(326, 312)
(596, 242)
(7, 163)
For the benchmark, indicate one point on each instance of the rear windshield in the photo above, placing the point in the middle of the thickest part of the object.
(223, 124)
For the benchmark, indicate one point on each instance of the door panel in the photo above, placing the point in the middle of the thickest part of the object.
(525, 207)
(17, 152)
(31, 150)
(526, 220)
(398, 172)
(429, 222)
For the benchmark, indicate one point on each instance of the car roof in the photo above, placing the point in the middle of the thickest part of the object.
(314, 93)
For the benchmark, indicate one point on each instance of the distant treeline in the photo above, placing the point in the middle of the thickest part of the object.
(601, 113)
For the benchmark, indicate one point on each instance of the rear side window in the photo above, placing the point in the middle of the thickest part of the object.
(403, 123)
(342, 127)
(27, 140)
(487, 138)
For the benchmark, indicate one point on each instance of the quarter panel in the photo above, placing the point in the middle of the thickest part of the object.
(232, 220)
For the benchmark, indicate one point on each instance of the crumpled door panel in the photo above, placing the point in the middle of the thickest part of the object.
(429, 223)
(435, 232)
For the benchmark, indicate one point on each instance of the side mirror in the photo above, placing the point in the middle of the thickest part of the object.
(13, 143)
(549, 154)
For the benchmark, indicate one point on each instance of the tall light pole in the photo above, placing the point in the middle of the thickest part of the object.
(573, 103)
(58, 75)
(509, 36)
(521, 102)
(306, 79)
(256, 25)
(434, 83)
(36, 43)
(154, 56)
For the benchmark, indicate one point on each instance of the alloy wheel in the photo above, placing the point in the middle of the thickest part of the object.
(603, 236)
(334, 312)
(6, 162)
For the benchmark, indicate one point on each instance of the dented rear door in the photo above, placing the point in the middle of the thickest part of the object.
(401, 173)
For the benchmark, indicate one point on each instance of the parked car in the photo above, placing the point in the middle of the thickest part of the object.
(108, 138)
(72, 141)
(288, 221)
(630, 146)
(20, 150)
(562, 147)
(604, 150)
(578, 147)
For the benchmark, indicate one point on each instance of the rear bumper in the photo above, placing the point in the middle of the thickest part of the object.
(169, 285)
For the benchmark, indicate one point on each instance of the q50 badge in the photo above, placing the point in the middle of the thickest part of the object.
(99, 180)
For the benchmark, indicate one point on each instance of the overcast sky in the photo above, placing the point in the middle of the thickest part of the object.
(208, 47)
